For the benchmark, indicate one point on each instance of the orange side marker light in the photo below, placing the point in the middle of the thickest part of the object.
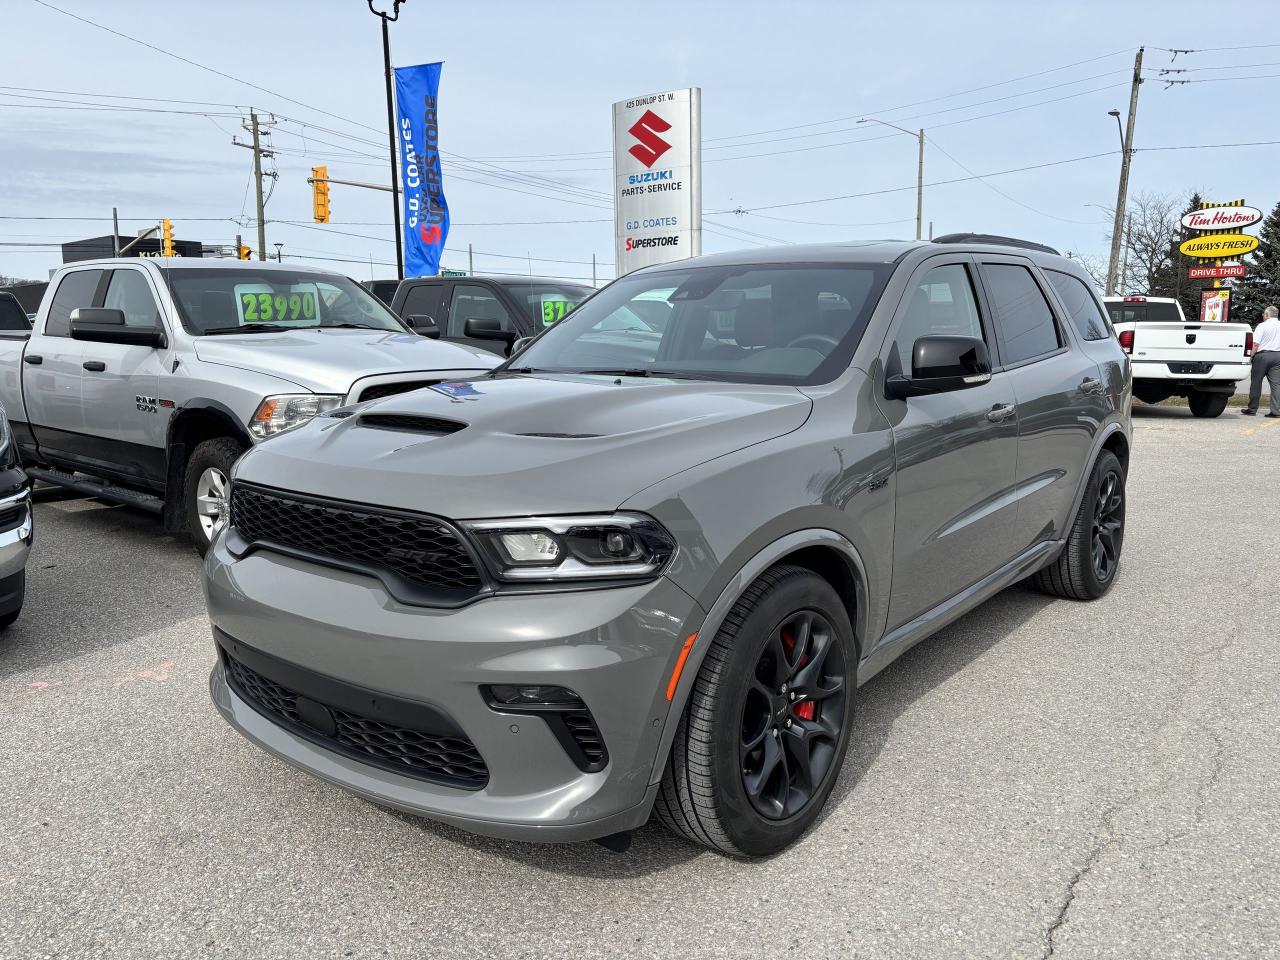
(675, 674)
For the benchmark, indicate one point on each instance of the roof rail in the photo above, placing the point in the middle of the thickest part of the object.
(990, 238)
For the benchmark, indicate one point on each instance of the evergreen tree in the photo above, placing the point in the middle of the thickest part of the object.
(1260, 286)
(1172, 280)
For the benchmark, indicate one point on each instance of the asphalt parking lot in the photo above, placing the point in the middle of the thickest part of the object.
(1042, 778)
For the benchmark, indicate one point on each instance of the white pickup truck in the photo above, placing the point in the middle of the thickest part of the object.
(1175, 357)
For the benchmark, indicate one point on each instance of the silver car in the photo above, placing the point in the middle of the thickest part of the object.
(644, 566)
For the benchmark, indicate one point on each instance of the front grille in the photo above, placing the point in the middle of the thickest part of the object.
(585, 733)
(412, 753)
(416, 549)
(391, 389)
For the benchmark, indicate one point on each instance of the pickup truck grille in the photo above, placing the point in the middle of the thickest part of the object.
(412, 549)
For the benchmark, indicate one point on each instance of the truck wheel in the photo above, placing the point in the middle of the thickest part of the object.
(761, 741)
(16, 584)
(208, 488)
(1207, 404)
(1086, 567)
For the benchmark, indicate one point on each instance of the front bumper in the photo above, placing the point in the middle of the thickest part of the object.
(614, 647)
(1174, 370)
(16, 533)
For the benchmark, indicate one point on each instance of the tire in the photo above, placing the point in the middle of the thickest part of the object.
(1207, 404)
(210, 459)
(7, 620)
(704, 793)
(1074, 574)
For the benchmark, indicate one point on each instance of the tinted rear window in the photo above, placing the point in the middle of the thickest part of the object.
(1144, 313)
(12, 316)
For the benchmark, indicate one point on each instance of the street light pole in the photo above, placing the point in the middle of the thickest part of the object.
(1126, 147)
(919, 135)
(392, 140)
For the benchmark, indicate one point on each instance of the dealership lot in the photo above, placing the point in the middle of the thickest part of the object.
(1042, 777)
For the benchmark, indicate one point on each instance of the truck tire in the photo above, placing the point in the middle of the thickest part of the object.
(1086, 567)
(207, 489)
(1207, 404)
(763, 736)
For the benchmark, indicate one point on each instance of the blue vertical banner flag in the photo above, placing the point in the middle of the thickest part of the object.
(426, 214)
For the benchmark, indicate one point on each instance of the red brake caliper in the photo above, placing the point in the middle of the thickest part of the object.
(806, 709)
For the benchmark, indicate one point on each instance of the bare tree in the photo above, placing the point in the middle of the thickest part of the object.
(1152, 233)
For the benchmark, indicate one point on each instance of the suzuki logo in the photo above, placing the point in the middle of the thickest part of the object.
(651, 146)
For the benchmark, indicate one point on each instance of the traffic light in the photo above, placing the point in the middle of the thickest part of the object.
(244, 252)
(320, 193)
(166, 238)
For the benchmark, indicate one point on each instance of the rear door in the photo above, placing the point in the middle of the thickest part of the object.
(956, 452)
(124, 415)
(1060, 395)
(1162, 335)
(52, 370)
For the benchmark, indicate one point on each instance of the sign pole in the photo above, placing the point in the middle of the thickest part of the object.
(393, 140)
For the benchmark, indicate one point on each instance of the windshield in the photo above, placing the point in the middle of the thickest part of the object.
(245, 300)
(758, 324)
(1144, 312)
(547, 303)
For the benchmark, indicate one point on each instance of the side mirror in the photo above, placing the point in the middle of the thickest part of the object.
(99, 325)
(486, 328)
(940, 365)
(520, 344)
(424, 326)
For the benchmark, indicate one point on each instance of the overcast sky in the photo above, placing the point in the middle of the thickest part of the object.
(781, 86)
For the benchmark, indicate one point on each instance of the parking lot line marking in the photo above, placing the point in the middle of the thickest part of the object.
(1252, 430)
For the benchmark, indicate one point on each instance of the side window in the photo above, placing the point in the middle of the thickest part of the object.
(472, 301)
(12, 316)
(1022, 314)
(941, 304)
(424, 300)
(128, 290)
(76, 290)
(1082, 307)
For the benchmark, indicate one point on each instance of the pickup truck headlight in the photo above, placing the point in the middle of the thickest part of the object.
(285, 411)
(612, 546)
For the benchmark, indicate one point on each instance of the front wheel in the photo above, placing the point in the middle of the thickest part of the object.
(206, 497)
(1207, 404)
(761, 742)
(1086, 567)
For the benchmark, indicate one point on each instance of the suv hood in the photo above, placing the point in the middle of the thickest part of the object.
(329, 361)
(527, 444)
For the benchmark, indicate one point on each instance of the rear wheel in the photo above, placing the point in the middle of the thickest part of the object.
(1207, 404)
(1087, 566)
(761, 742)
(207, 490)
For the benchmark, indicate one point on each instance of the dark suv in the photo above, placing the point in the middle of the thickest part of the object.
(645, 571)
(490, 313)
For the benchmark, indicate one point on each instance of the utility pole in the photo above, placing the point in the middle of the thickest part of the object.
(393, 140)
(258, 153)
(919, 135)
(115, 233)
(1117, 229)
(471, 262)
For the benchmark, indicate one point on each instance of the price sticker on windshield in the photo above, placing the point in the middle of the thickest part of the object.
(554, 309)
(260, 303)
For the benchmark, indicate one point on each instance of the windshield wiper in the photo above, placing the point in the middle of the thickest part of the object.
(246, 328)
(347, 325)
(633, 372)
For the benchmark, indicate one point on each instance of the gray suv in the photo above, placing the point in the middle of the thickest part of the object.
(644, 566)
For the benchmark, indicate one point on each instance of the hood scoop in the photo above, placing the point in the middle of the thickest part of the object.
(410, 423)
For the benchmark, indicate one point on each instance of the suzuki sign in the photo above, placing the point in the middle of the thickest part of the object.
(657, 174)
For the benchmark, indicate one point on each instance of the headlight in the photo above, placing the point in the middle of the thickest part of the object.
(288, 410)
(614, 546)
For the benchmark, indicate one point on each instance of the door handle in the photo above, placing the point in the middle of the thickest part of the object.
(97, 366)
(1001, 411)
(1090, 385)
(33, 358)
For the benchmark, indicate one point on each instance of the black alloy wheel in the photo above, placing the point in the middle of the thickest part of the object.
(1108, 525)
(792, 715)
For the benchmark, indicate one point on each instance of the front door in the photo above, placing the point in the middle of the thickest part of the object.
(477, 300)
(52, 372)
(121, 407)
(956, 453)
